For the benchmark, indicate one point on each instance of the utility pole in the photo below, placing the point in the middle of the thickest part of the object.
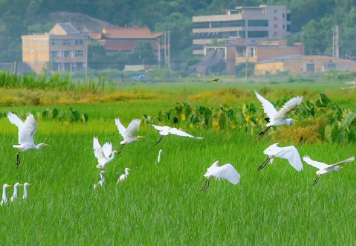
(332, 29)
(165, 48)
(246, 68)
(169, 50)
(337, 41)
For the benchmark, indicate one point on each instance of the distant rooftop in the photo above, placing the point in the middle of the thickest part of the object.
(68, 28)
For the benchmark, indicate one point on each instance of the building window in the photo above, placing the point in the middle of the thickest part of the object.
(79, 53)
(288, 17)
(275, 11)
(67, 42)
(275, 26)
(54, 54)
(283, 27)
(310, 67)
(257, 34)
(55, 67)
(257, 22)
(288, 28)
(55, 42)
(67, 66)
(67, 54)
(283, 16)
(79, 42)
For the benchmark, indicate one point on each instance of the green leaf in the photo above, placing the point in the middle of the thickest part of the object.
(348, 120)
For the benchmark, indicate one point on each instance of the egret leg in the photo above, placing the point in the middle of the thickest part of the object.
(18, 160)
(264, 164)
(316, 180)
(122, 146)
(206, 185)
(264, 131)
(162, 136)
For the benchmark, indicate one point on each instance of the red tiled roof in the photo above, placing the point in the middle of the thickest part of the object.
(126, 45)
(129, 33)
(95, 35)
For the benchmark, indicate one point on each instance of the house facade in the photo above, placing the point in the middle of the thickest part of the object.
(302, 64)
(62, 49)
(247, 23)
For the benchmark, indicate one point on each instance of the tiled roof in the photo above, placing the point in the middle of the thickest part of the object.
(95, 35)
(125, 45)
(68, 28)
(129, 33)
(282, 58)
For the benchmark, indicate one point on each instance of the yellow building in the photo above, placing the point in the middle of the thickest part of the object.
(62, 49)
(301, 64)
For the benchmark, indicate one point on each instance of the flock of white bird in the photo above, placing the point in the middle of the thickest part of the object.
(105, 153)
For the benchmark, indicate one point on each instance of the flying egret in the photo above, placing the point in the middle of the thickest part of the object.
(166, 130)
(27, 130)
(290, 153)
(325, 168)
(104, 153)
(128, 133)
(124, 176)
(159, 156)
(14, 196)
(226, 171)
(278, 118)
(4, 198)
(25, 190)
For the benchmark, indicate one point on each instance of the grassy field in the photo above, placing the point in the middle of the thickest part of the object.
(161, 204)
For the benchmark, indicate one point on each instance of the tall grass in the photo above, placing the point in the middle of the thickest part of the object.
(161, 204)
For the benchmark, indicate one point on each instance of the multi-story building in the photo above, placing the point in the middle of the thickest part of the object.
(62, 49)
(248, 24)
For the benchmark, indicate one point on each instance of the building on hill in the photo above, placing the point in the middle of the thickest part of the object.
(126, 39)
(246, 23)
(302, 64)
(62, 49)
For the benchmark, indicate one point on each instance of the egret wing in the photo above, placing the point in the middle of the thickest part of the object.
(268, 107)
(132, 129)
(351, 159)
(228, 172)
(317, 164)
(272, 150)
(287, 107)
(107, 149)
(175, 131)
(27, 132)
(98, 151)
(161, 128)
(120, 127)
(292, 155)
(14, 119)
(211, 169)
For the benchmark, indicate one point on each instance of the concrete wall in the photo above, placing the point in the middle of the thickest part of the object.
(266, 52)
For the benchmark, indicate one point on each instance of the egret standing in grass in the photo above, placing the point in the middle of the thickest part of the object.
(166, 130)
(278, 118)
(4, 197)
(159, 156)
(102, 179)
(325, 168)
(104, 154)
(290, 153)
(27, 131)
(14, 195)
(226, 171)
(25, 190)
(129, 133)
(124, 176)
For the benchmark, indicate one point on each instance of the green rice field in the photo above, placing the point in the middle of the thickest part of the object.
(161, 203)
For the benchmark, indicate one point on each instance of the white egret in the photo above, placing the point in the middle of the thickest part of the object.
(278, 118)
(159, 156)
(129, 133)
(25, 190)
(102, 178)
(14, 195)
(4, 197)
(124, 176)
(325, 168)
(27, 131)
(104, 153)
(226, 171)
(290, 153)
(166, 130)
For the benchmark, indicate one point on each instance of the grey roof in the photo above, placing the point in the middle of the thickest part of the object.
(282, 58)
(21, 67)
(68, 28)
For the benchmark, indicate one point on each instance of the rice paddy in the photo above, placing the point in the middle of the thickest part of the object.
(161, 204)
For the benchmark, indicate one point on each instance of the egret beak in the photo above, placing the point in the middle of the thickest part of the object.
(8, 185)
(47, 145)
(139, 137)
(20, 184)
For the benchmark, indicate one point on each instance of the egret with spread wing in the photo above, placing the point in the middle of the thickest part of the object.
(129, 133)
(27, 131)
(278, 118)
(226, 171)
(290, 153)
(104, 154)
(325, 168)
(166, 130)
